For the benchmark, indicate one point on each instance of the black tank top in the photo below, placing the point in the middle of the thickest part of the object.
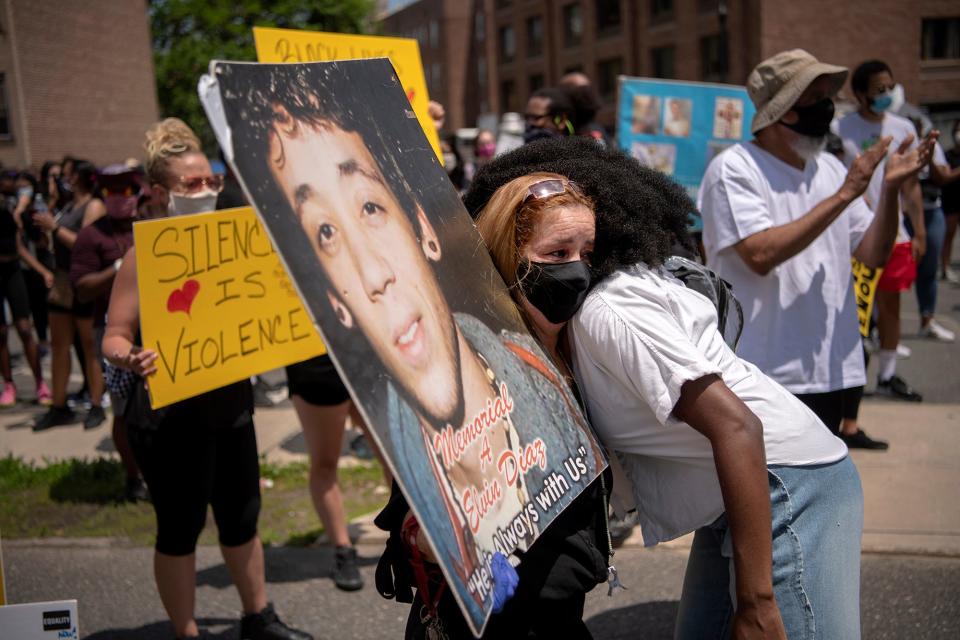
(8, 233)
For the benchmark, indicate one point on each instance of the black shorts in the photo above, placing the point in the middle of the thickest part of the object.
(13, 290)
(316, 380)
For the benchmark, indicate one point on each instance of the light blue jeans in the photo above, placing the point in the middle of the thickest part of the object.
(817, 524)
(928, 269)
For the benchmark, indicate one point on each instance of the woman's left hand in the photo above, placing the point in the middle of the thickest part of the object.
(45, 221)
(758, 620)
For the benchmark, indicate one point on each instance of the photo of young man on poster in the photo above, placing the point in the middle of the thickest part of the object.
(480, 430)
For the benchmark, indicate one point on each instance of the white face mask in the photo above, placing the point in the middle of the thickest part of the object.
(898, 98)
(449, 162)
(184, 205)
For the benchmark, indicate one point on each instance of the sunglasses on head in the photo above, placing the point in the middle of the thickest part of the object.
(199, 183)
(547, 189)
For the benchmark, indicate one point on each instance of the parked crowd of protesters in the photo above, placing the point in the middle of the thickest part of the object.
(771, 423)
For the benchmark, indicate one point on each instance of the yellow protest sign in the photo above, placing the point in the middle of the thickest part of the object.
(291, 45)
(865, 289)
(216, 303)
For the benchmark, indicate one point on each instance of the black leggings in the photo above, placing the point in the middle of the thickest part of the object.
(188, 465)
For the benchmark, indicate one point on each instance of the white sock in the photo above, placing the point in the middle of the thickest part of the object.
(888, 364)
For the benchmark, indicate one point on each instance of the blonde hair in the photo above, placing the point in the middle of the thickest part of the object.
(506, 222)
(166, 139)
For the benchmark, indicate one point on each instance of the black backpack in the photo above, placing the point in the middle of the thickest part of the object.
(720, 292)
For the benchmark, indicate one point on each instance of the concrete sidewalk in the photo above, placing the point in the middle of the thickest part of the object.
(910, 490)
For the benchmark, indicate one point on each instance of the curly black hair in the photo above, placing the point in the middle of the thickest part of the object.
(641, 213)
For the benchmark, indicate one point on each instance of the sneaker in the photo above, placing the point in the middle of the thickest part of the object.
(95, 418)
(936, 331)
(361, 448)
(951, 276)
(260, 396)
(44, 395)
(79, 400)
(55, 417)
(896, 387)
(347, 575)
(266, 625)
(9, 396)
(903, 351)
(861, 440)
(136, 491)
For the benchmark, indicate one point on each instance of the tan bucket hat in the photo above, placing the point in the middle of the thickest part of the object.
(775, 84)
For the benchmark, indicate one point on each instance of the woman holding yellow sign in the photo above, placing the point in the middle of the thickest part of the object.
(199, 451)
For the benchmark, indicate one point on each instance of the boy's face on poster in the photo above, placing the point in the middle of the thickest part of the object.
(378, 268)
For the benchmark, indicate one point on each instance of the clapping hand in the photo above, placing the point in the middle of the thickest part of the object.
(906, 163)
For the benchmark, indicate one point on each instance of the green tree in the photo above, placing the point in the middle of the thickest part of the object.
(188, 34)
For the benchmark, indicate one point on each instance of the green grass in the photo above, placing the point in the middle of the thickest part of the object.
(81, 498)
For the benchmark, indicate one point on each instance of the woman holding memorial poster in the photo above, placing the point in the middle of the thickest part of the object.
(199, 451)
(709, 443)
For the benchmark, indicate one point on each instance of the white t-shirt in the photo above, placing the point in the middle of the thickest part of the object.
(800, 320)
(640, 335)
(858, 135)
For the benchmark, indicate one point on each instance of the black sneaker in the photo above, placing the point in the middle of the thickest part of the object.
(361, 448)
(55, 417)
(266, 625)
(136, 490)
(897, 387)
(347, 575)
(861, 440)
(95, 418)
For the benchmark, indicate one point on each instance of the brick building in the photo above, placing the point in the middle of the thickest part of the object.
(498, 51)
(75, 78)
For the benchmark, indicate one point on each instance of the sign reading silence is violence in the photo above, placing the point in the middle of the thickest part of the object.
(215, 303)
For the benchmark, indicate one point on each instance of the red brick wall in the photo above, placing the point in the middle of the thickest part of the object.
(86, 78)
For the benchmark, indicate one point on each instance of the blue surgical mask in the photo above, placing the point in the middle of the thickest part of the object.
(881, 102)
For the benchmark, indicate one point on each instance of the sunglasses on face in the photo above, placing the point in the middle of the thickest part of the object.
(200, 183)
(127, 191)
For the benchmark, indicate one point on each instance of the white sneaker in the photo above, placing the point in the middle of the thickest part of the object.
(936, 331)
(903, 351)
(951, 276)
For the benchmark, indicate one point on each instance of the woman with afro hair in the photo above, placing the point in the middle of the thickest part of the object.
(708, 442)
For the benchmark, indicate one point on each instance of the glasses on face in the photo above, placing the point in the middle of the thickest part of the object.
(127, 191)
(533, 118)
(195, 184)
(547, 189)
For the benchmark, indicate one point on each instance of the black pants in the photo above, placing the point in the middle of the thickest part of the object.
(833, 407)
(189, 463)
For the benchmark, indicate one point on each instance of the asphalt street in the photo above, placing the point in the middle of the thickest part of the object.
(903, 596)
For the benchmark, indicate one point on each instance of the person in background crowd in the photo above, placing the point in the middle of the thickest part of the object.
(548, 115)
(586, 104)
(69, 317)
(30, 200)
(782, 219)
(13, 291)
(931, 180)
(97, 255)
(872, 85)
(452, 160)
(484, 149)
(201, 451)
(50, 179)
(951, 209)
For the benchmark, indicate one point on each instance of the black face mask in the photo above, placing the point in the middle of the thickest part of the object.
(557, 290)
(532, 133)
(813, 120)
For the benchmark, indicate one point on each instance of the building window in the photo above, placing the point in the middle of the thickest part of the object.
(608, 17)
(572, 25)
(536, 82)
(574, 68)
(482, 71)
(480, 26)
(661, 61)
(940, 39)
(6, 131)
(534, 36)
(661, 11)
(434, 34)
(502, 4)
(436, 71)
(713, 63)
(607, 73)
(508, 96)
(508, 44)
